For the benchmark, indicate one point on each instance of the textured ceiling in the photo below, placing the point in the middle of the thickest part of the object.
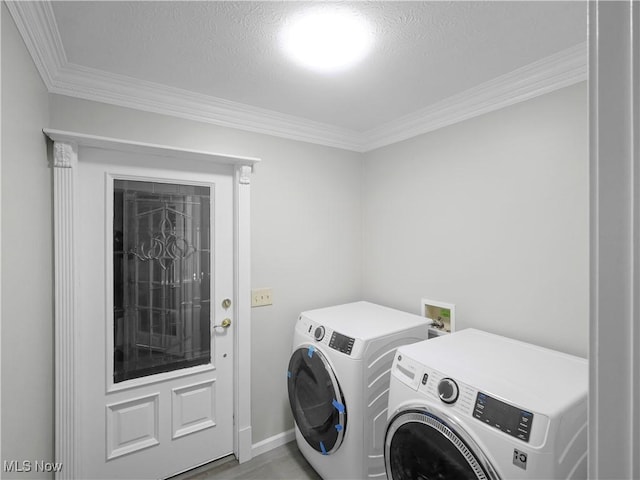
(424, 52)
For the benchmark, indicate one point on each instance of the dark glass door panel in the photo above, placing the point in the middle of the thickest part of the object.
(316, 400)
(421, 446)
(161, 266)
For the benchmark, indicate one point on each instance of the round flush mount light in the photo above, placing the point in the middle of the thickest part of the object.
(328, 39)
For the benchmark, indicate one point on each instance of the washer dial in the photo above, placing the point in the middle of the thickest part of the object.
(448, 390)
(318, 334)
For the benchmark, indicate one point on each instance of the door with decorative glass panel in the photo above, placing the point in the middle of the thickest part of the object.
(155, 270)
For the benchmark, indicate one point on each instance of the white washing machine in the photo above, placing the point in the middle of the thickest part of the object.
(477, 405)
(338, 383)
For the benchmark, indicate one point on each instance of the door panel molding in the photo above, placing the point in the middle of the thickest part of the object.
(132, 425)
(64, 162)
(193, 408)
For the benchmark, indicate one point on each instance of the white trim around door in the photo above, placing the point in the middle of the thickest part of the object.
(64, 162)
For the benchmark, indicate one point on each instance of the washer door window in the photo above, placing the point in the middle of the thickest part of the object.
(316, 400)
(419, 445)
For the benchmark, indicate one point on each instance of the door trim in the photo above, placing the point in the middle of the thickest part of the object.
(64, 160)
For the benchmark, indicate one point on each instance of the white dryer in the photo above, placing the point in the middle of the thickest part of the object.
(338, 383)
(477, 405)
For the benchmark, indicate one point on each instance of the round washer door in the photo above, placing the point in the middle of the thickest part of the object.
(420, 444)
(316, 400)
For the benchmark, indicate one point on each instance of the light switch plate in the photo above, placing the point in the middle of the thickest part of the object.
(261, 297)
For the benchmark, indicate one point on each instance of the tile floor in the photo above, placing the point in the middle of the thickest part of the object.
(282, 463)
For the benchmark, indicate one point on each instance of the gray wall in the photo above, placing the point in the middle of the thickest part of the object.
(27, 318)
(492, 215)
(305, 228)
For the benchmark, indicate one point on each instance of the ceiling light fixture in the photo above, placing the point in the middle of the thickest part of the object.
(327, 39)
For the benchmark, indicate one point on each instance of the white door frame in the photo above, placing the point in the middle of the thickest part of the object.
(64, 162)
(614, 350)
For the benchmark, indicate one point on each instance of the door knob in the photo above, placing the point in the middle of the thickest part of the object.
(226, 323)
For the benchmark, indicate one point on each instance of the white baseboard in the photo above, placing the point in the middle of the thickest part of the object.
(275, 441)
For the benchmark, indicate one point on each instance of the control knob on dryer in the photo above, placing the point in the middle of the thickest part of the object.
(318, 334)
(448, 390)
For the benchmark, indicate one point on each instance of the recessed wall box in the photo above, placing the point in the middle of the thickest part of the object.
(441, 314)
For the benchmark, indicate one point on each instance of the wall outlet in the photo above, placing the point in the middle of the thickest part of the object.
(261, 297)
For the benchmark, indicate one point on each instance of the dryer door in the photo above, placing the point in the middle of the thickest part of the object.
(422, 444)
(316, 400)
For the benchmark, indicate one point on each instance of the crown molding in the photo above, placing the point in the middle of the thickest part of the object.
(37, 26)
(36, 23)
(97, 85)
(562, 69)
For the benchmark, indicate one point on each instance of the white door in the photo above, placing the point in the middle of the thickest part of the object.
(155, 284)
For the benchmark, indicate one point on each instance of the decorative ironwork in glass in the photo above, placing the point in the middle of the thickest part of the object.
(161, 263)
(166, 246)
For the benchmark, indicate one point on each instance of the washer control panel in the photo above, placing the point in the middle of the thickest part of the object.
(506, 418)
(408, 371)
(449, 393)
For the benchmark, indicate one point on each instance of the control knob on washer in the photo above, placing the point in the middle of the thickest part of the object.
(318, 334)
(448, 390)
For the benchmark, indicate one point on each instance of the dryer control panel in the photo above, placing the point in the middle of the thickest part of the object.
(326, 336)
(342, 343)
